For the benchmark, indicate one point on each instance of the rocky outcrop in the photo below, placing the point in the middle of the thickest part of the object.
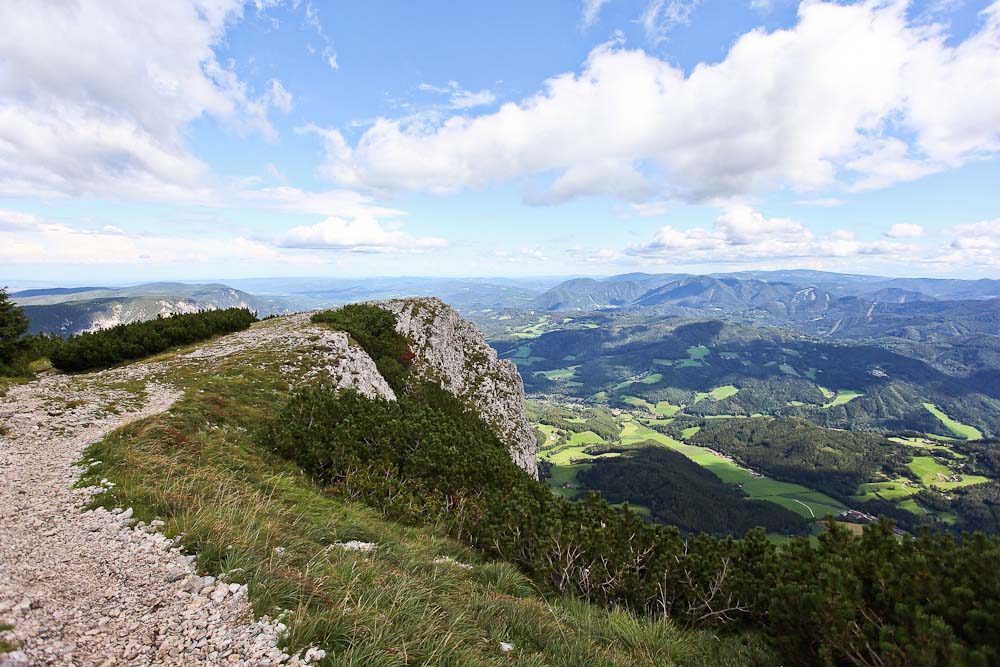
(452, 352)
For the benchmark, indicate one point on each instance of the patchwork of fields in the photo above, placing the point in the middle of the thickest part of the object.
(934, 466)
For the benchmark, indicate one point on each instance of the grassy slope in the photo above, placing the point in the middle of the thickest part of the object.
(956, 427)
(197, 468)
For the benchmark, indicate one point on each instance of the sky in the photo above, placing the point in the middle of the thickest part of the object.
(213, 139)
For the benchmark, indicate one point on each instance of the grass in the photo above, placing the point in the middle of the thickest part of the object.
(532, 330)
(956, 427)
(795, 497)
(717, 394)
(652, 378)
(198, 469)
(567, 453)
(586, 438)
(637, 402)
(689, 431)
(892, 490)
(842, 397)
(560, 373)
(7, 382)
(563, 480)
(928, 445)
(912, 506)
(551, 434)
(697, 352)
(6, 646)
(933, 473)
(666, 409)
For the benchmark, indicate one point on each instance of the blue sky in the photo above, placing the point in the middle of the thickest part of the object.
(220, 138)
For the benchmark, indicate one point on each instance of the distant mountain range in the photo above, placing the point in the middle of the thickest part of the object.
(67, 311)
(814, 302)
(818, 303)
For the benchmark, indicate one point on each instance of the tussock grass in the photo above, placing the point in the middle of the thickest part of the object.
(409, 601)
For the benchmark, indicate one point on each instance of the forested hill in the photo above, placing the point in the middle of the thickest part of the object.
(618, 358)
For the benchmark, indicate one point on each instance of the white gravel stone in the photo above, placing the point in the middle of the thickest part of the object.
(88, 589)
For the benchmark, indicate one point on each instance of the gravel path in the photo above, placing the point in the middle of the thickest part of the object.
(90, 588)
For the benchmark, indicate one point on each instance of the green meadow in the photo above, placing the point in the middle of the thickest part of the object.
(717, 394)
(797, 498)
(841, 396)
(933, 473)
(560, 373)
(956, 427)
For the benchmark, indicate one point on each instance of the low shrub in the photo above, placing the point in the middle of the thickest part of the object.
(126, 342)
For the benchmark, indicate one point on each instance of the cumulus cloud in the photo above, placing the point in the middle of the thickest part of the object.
(903, 230)
(743, 234)
(42, 242)
(983, 235)
(363, 234)
(31, 240)
(852, 95)
(95, 97)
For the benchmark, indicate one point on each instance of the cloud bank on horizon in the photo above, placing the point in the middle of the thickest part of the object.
(221, 137)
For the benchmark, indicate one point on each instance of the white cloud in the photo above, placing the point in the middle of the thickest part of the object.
(363, 234)
(312, 20)
(48, 242)
(460, 98)
(903, 230)
(977, 237)
(650, 209)
(591, 8)
(851, 95)
(742, 225)
(345, 203)
(30, 240)
(466, 99)
(279, 97)
(95, 97)
(826, 202)
(661, 16)
(743, 234)
(273, 173)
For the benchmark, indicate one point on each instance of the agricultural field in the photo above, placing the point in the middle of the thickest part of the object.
(799, 499)
(562, 375)
(533, 330)
(667, 409)
(840, 397)
(717, 394)
(933, 473)
(956, 427)
(935, 466)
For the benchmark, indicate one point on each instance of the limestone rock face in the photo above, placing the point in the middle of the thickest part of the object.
(453, 352)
